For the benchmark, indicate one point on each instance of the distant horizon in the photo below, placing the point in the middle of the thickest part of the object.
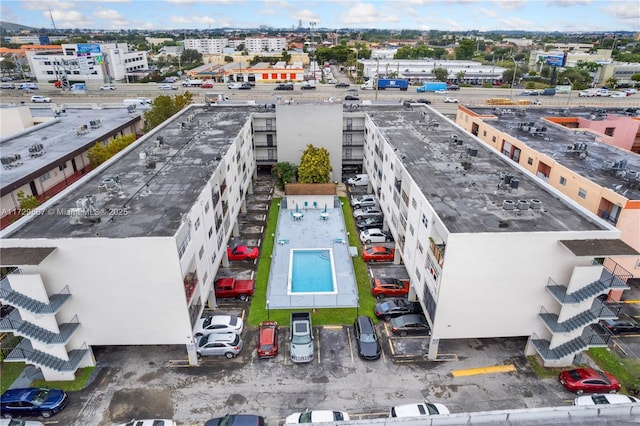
(534, 16)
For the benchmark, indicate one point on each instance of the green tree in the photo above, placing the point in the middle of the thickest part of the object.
(191, 56)
(465, 49)
(99, 153)
(228, 59)
(635, 77)
(27, 202)
(315, 165)
(183, 100)
(441, 74)
(460, 75)
(163, 107)
(285, 172)
(612, 82)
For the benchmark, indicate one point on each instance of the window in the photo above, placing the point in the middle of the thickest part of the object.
(563, 181)
(530, 161)
(210, 232)
(206, 207)
(484, 133)
(269, 140)
(197, 224)
(582, 193)
(493, 139)
(44, 177)
(61, 167)
(609, 131)
(201, 252)
(205, 278)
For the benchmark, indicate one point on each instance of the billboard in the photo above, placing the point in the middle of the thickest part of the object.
(88, 49)
(556, 60)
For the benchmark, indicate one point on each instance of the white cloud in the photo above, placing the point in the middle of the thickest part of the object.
(491, 13)
(623, 10)
(568, 3)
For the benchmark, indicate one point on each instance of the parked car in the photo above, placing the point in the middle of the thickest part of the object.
(150, 422)
(5, 310)
(32, 402)
(342, 84)
(378, 254)
(358, 201)
(410, 324)
(375, 235)
(7, 86)
(267, 339)
(243, 253)
(449, 100)
(236, 420)
(590, 380)
(425, 408)
(623, 324)
(307, 87)
(389, 287)
(351, 98)
(395, 307)
(317, 416)
(228, 345)
(40, 99)
(367, 212)
(107, 87)
(366, 338)
(284, 87)
(219, 324)
(370, 222)
(604, 399)
(19, 422)
(167, 87)
(424, 101)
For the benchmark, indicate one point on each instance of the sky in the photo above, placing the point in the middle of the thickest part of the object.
(451, 15)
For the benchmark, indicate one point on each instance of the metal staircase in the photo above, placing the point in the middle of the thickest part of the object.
(24, 352)
(588, 339)
(606, 282)
(597, 312)
(11, 297)
(15, 324)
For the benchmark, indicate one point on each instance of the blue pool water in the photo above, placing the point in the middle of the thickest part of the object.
(311, 271)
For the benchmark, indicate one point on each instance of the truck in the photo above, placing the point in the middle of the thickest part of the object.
(432, 87)
(231, 288)
(211, 97)
(386, 83)
(194, 82)
(301, 337)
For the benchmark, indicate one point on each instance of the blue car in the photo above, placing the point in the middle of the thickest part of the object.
(32, 402)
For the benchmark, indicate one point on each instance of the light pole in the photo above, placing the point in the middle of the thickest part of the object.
(571, 83)
(515, 71)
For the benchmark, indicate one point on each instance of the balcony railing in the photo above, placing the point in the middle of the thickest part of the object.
(597, 312)
(437, 250)
(190, 284)
(348, 128)
(11, 297)
(588, 339)
(24, 352)
(264, 129)
(15, 324)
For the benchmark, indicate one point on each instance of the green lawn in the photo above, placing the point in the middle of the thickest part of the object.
(324, 316)
(10, 372)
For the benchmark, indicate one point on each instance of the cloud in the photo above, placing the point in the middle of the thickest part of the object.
(568, 3)
(109, 14)
(367, 13)
(515, 23)
(488, 12)
(622, 10)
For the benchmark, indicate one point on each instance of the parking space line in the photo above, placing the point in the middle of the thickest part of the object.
(631, 301)
(484, 370)
(318, 346)
(350, 345)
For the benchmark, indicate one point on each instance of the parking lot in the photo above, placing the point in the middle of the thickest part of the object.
(157, 382)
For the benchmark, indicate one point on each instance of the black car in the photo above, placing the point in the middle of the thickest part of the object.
(370, 222)
(339, 85)
(366, 338)
(307, 87)
(5, 310)
(245, 86)
(623, 324)
(236, 420)
(351, 98)
(284, 87)
(424, 101)
(410, 324)
(453, 87)
(32, 402)
(392, 308)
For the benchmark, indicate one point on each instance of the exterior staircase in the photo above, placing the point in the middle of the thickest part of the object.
(24, 352)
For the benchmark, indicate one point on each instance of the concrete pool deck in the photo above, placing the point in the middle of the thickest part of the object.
(311, 231)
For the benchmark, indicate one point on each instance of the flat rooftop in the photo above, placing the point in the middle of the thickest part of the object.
(60, 140)
(608, 166)
(464, 180)
(154, 197)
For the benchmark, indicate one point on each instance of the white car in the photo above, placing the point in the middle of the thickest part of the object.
(586, 94)
(40, 99)
(425, 408)
(631, 91)
(449, 100)
(234, 85)
(218, 324)
(618, 94)
(317, 416)
(375, 235)
(107, 87)
(167, 87)
(150, 422)
(607, 398)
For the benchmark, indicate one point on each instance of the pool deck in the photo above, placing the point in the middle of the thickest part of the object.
(311, 231)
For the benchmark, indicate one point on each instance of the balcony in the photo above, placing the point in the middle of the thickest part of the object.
(11, 297)
(264, 129)
(597, 312)
(348, 128)
(14, 323)
(190, 284)
(437, 250)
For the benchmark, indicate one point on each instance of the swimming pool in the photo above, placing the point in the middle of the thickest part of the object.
(311, 271)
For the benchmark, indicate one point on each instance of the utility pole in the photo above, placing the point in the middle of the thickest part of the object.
(377, 76)
(513, 81)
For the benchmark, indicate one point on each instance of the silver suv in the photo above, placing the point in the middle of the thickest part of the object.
(227, 344)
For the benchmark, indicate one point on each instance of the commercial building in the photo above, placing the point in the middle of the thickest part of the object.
(93, 64)
(490, 250)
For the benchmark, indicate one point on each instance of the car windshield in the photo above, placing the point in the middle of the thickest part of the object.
(574, 374)
(40, 396)
(207, 322)
(233, 321)
(305, 417)
(301, 340)
(368, 338)
(432, 409)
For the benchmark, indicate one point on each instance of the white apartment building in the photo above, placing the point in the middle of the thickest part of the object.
(265, 44)
(94, 64)
(490, 250)
(216, 46)
(207, 46)
(422, 70)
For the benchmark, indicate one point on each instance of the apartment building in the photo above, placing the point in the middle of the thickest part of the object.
(93, 64)
(265, 44)
(45, 150)
(206, 46)
(587, 154)
(491, 251)
(253, 45)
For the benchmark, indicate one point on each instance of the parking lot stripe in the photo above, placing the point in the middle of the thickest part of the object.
(318, 349)
(484, 370)
(350, 345)
(631, 301)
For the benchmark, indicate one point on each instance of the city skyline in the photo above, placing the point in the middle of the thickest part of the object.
(454, 15)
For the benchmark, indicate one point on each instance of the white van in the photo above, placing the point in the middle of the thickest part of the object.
(607, 398)
(358, 180)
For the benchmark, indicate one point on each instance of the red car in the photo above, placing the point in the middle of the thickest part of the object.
(378, 254)
(589, 380)
(389, 287)
(242, 253)
(268, 339)
(207, 85)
